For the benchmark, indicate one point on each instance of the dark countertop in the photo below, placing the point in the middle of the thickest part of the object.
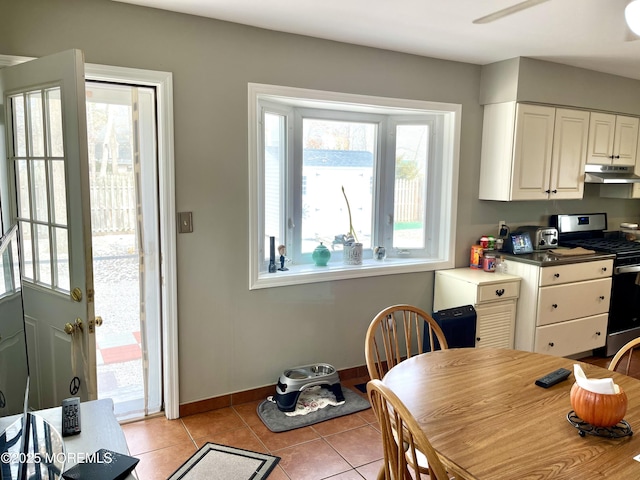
(545, 259)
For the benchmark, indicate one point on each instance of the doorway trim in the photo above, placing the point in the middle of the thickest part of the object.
(163, 83)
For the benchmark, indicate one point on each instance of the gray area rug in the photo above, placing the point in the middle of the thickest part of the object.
(278, 421)
(219, 462)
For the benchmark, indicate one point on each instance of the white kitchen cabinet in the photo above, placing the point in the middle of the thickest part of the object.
(570, 137)
(493, 295)
(532, 152)
(562, 309)
(613, 139)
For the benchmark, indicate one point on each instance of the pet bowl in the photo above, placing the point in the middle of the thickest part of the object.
(295, 380)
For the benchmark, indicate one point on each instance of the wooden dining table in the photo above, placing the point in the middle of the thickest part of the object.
(486, 418)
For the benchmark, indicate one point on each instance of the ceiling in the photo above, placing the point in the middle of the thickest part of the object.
(585, 33)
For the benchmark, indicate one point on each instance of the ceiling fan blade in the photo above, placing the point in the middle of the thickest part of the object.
(508, 11)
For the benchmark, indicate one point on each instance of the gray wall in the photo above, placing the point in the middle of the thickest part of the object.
(233, 339)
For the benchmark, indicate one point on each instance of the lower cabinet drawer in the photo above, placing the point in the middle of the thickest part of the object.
(573, 336)
(498, 291)
(573, 300)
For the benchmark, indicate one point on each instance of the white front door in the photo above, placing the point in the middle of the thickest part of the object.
(44, 104)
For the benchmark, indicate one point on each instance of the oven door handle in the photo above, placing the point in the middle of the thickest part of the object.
(627, 269)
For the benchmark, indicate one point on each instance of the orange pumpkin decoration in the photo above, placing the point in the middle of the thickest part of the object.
(598, 409)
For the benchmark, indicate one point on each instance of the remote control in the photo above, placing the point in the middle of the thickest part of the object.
(70, 416)
(554, 377)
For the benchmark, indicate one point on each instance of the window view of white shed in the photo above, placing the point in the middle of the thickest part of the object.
(332, 170)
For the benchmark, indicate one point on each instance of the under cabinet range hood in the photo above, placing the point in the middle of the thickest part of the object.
(610, 174)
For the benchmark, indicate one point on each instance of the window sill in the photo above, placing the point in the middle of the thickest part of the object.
(301, 274)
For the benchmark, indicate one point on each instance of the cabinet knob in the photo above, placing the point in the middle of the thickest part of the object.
(604, 269)
(616, 156)
(555, 305)
(598, 333)
(500, 292)
(547, 191)
(601, 297)
(557, 275)
(477, 339)
(554, 191)
(551, 344)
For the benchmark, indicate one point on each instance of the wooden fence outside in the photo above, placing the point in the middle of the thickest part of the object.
(113, 203)
(409, 201)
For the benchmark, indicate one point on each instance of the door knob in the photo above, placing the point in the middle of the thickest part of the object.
(71, 328)
(98, 321)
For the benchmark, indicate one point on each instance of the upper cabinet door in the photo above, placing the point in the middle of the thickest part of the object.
(613, 139)
(569, 153)
(625, 142)
(533, 143)
(601, 136)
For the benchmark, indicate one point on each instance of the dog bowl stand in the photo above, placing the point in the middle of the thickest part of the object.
(294, 380)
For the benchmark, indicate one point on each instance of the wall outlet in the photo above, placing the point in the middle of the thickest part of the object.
(502, 228)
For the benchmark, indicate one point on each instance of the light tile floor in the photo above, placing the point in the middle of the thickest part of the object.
(345, 448)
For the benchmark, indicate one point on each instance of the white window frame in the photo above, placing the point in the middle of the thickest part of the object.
(403, 111)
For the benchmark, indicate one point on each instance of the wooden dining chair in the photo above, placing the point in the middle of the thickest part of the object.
(631, 363)
(396, 333)
(403, 441)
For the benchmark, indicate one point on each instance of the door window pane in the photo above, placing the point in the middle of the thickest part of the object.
(27, 250)
(39, 191)
(43, 255)
(19, 135)
(58, 192)
(35, 123)
(336, 154)
(22, 184)
(54, 117)
(61, 236)
(410, 181)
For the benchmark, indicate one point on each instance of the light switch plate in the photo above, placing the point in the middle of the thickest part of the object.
(185, 222)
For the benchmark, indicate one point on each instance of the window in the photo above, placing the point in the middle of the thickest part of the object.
(322, 162)
(38, 155)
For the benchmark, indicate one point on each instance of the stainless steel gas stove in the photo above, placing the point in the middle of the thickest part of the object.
(590, 231)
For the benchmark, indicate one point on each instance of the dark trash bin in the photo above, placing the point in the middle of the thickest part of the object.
(458, 325)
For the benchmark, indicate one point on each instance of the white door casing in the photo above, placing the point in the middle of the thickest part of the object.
(48, 304)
